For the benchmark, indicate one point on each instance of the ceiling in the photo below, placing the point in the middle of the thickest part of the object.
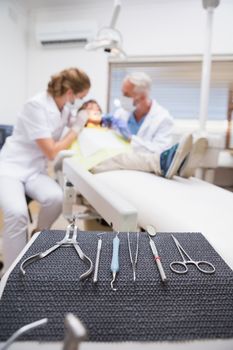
(34, 4)
(42, 4)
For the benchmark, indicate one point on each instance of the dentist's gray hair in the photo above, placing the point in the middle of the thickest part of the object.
(140, 80)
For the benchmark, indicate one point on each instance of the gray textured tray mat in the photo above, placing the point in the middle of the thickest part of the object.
(191, 306)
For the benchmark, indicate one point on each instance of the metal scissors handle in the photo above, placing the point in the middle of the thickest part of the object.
(181, 267)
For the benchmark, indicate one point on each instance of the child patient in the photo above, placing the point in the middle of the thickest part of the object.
(94, 112)
(96, 118)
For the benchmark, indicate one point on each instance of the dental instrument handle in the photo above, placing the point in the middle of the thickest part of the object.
(115, 255)
(115, 260)
(99, 245)
(158, 261)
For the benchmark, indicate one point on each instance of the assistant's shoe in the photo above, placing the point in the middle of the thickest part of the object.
(194, 158)
(171, 159)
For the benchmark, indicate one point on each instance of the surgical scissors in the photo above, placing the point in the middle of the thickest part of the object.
(70, 239)
(181, 267)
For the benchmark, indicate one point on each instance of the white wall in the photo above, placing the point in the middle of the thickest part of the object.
(152, 27)
(173, 27)
(149, 27)
(43, 62)
(13, 59)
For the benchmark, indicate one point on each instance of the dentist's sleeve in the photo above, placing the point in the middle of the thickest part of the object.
(35, 121)
(158, 142)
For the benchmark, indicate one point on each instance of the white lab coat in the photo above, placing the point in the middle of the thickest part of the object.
(40, 117)
(155, 133)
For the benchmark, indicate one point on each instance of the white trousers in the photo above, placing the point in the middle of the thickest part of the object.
(13, 203)
(149, 162)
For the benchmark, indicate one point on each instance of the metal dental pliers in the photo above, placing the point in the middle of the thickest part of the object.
(70, 239)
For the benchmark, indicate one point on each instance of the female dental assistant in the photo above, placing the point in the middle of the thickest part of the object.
(23, 159)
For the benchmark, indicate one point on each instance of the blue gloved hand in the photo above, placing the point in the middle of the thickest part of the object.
(121, 126)
(107, 120)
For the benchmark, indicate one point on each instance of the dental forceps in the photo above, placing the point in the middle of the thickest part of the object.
(70, 239)
(133, 262)
(181, 267)
(23, 330)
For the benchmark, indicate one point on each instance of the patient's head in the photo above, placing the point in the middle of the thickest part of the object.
(94, 111)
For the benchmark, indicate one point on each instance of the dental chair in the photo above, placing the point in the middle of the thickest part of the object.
(130, 200)
(5, 131)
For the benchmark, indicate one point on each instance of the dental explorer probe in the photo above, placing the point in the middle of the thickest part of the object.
(115, 259)
(151, 232)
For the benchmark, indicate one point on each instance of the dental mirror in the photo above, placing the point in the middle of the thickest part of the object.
(151, 230)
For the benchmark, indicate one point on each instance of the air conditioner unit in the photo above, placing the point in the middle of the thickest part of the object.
(65, 33)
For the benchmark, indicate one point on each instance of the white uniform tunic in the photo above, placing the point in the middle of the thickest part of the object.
(155, 133)
(40, 118)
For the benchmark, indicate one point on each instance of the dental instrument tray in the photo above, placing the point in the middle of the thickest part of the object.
(192, 305)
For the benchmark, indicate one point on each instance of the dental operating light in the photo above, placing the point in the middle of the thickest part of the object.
(109, 38)
(210, 3)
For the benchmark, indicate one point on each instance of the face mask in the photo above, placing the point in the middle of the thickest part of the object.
(127, 103)
(74, 105)
(78, 102)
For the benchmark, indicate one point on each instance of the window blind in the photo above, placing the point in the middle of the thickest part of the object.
(176, 86)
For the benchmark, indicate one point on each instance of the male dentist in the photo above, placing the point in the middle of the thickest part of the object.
(141, 120)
